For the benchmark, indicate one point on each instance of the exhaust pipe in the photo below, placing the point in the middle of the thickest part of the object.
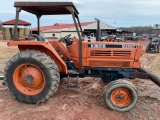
(151, 76)
(98, 34)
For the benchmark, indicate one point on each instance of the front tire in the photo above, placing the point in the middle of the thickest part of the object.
(120, 95)
(31, 76)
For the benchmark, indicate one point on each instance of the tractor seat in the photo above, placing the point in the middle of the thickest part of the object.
(40, 38)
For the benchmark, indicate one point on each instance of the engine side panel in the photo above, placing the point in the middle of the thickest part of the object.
(107, 54)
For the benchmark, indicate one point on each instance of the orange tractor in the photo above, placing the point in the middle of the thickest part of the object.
(33, 74)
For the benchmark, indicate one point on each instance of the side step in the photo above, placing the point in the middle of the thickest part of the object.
(68, 81)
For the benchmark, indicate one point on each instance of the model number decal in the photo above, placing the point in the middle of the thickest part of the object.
(98, 46)
(111, 46)
(128, 46)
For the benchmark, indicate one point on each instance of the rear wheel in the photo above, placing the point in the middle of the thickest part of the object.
(157, 50)
(147, 49)
(31, 76)
(120, 95)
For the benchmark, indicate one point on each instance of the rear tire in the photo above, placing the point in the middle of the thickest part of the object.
(31, 76)
(157, 49)
(120, 95)
(147, 49)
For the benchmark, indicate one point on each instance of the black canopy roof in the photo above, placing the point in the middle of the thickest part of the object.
(46, 8)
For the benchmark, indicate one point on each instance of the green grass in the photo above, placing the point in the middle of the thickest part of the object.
(1, 77)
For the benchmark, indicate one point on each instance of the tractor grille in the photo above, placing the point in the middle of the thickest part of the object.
(110, 53)
(122, 53)
(100, 53)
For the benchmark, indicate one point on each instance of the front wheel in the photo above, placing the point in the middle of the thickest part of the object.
(32, 76)
(120, 95)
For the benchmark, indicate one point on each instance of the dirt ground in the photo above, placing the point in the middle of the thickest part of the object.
(84, 103)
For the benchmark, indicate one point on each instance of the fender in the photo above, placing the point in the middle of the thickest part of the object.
(44, 47)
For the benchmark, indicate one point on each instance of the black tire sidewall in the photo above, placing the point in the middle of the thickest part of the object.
(111, 88)
(158, 49)
(16, 92)
(147, 49)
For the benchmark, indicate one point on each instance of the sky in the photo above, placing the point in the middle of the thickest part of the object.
(117, 13)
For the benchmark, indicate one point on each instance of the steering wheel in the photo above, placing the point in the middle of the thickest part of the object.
(66, 40)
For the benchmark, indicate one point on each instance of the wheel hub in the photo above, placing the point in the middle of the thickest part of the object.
(31, 77)
(121, 97)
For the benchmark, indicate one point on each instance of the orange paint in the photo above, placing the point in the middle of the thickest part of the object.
(154, 43)
(29, 79)
(121, 97)
(43, 47)
(94, 54)
(106, 57)
(61, 49)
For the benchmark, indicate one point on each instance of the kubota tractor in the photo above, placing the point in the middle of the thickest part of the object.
(33, 74)
(153, 45)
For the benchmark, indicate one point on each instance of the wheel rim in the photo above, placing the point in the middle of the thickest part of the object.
(121, 97)
(29, 79)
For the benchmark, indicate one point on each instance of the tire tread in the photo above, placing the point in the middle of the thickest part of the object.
(47, 62)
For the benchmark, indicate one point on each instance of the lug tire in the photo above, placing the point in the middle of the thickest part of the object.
(147, 49)
(126, 88)
(157, 49)
(46, 68)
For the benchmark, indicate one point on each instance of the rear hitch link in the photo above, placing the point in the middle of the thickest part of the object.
(145, 74)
